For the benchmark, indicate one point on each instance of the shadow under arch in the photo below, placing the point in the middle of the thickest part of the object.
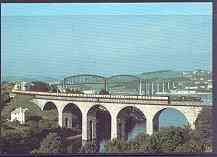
(49, 106)
(72, 117)
(171, 119)
(50, 113)
(98, 125)
(131, 122)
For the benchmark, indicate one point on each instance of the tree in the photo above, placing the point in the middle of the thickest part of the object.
(170, 139)
(103, 92)
(117, 146)
(52, 144)
(17, 138)
(5, 98)
(167, 139)
(140, 144)
(204, 125)
(194, 144)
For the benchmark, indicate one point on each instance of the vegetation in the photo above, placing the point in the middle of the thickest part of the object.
(23, 101)
(18, 138)
(103, 92)
(89, 147)
(52, 144)
(204, 126)
(172, 139)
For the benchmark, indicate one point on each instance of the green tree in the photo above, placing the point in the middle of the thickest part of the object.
(117, 146)
(167, 139)
(103, 92)
(5, 98)
(194, 144)
(204, 125)
(140, 144)
(17, 138)
(170, 139)
(52, 144)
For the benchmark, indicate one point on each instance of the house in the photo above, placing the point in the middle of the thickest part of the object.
(19, 115)
(20, 85)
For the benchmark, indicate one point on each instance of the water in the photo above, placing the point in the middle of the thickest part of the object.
(138, 129)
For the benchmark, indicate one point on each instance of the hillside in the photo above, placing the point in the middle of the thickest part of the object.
(163, 74)
(21, 101)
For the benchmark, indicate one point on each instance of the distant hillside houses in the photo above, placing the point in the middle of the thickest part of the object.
(157, 81)
(21, 85)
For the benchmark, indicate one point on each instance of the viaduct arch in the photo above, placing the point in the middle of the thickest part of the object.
(157, 115)
(149, 113)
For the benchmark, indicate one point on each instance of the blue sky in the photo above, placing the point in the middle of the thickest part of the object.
(63, 39)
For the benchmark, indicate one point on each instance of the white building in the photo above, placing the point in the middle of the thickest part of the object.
(19, 115)
(89, 92)
(191, 87)
(20, 86)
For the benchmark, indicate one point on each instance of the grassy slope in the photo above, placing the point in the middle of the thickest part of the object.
(166, 74)
(21, 101)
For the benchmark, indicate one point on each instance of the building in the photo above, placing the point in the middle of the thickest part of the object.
(19, 115)
(191, 87)
(20, 86)
(89, 92)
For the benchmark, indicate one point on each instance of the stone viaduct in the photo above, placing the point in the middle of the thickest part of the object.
(147, 109)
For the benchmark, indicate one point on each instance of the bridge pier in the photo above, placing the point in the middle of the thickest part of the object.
(149, 126)
(113, 127)
(84, 128)
(114, 105)
(60, 119)
(67, 120)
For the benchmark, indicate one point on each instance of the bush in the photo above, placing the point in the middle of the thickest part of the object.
(167, 139)
(89, 147)
(117, 146)
(52, 144)
(171, 139)
(103, 92)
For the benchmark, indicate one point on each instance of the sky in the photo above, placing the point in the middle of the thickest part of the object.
(62, 39)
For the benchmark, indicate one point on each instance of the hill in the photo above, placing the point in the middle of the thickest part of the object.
(163, 74)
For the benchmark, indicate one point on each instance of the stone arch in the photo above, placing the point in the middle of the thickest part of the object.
(156, 123)
(49, 105)
(50, 113)
(98, 124)
(72, 116)
(130, 122)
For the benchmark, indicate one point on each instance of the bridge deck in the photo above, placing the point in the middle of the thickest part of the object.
(143, 100)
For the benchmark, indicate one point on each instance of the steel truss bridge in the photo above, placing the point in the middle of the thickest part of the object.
(135, 84)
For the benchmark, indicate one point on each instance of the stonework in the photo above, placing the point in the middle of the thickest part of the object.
(151, 107)
(151, 113)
